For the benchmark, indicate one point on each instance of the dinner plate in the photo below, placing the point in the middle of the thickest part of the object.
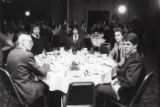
(75, 73)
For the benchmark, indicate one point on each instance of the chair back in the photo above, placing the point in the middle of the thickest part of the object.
(9, 85)
(105, 48)
(141, 89)
(81, 93)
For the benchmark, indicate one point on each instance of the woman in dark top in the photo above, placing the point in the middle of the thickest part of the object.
(129, 76)
(41, 44)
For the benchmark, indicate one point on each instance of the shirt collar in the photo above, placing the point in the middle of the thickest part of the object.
(35, 36)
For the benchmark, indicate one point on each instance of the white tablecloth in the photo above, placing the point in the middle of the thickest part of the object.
(92, 68)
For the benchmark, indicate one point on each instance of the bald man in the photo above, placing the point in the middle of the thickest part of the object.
(23, 68)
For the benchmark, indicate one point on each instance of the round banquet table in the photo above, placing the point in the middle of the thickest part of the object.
(94, 68)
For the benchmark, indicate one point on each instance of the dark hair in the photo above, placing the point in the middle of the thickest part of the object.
(35, 25)
(75, 27)
(119, 29)
(95, 30)
(132, 37)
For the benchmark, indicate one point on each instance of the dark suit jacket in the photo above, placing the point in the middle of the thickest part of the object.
(22, 67)
(63, 37)
(130, 75)
(40, 44)
(78, 44)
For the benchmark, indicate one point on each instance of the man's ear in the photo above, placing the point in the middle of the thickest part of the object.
(23, 42)
(135, 46)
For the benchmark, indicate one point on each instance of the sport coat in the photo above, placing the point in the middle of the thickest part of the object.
(130, 75)
(23, 68)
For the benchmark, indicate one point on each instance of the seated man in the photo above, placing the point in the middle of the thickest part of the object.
(40, 41)
(129, 76)
(23, 68)
(117, 52)
(76, 40)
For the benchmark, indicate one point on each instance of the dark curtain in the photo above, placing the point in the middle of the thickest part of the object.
(152, 29)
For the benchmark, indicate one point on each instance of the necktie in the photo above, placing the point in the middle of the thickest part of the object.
(75, 38)
(38, 36)
(118, 56)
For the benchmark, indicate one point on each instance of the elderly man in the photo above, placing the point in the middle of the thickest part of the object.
(23, 68)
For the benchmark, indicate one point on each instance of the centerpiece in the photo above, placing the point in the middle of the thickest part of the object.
(74, 66)
(75, 69)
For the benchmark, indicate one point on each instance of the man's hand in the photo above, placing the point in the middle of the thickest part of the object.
(46, 66)
(44, 53)
(121, 62)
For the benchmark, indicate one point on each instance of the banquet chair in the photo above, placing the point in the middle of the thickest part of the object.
(80, 94)
(137, 95)
(105, 48)
(11, 89)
